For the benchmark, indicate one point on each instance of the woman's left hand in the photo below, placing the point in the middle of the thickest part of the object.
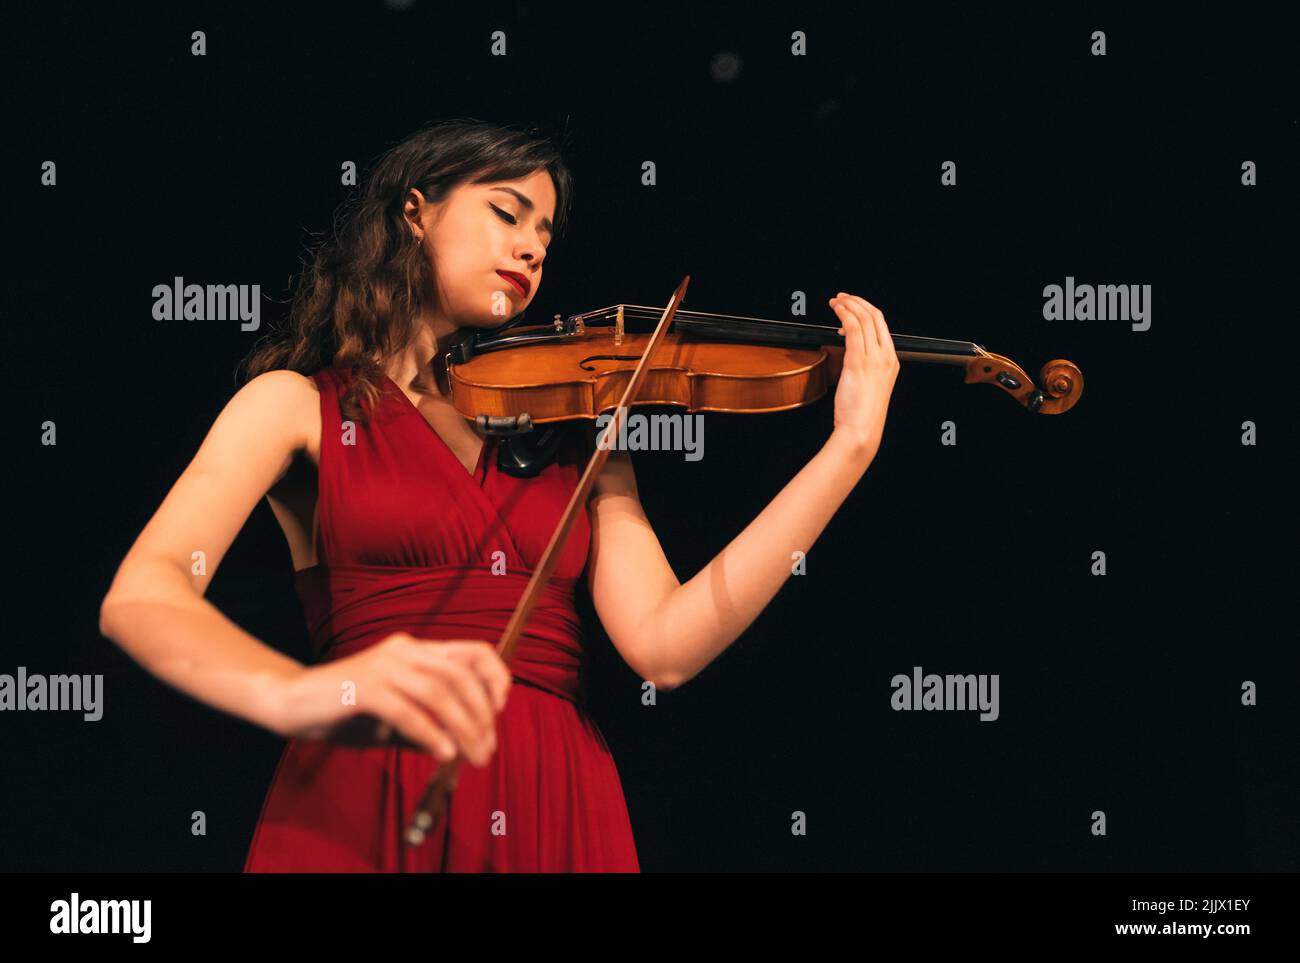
(867, 378)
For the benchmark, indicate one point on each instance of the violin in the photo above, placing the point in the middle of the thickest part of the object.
(578, 366)
(589, 364)
(514, 378)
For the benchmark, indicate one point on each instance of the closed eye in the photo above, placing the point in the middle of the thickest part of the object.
(508, 218)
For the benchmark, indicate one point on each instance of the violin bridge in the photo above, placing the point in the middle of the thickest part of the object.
(618, 326)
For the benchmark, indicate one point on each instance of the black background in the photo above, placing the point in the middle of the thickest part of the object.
(818, 174)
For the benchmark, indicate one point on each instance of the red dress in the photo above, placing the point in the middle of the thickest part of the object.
(408, 541)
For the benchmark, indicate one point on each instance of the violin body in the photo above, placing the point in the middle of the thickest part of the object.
(585, 376)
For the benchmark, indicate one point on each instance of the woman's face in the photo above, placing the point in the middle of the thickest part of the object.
(478, 231)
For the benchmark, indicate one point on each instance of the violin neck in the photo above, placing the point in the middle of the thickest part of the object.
(730, 327)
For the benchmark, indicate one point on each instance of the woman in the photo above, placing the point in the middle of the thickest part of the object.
(411, 550)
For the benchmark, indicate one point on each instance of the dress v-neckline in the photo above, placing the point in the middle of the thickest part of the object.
(482, 450)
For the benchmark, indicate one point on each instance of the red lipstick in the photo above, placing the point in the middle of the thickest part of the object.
(521, 283)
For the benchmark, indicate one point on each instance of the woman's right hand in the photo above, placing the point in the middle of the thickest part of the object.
(439, 696)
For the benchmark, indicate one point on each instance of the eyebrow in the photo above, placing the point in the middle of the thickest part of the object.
(528, 205)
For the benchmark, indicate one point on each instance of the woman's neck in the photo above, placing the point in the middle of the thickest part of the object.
(421, 366)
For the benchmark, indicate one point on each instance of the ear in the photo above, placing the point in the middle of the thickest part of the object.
(413, 211)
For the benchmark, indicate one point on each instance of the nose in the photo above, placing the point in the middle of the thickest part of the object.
(533, 253)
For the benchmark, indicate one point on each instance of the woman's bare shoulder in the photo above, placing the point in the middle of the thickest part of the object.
(282, 389)
(285, 382)
(286, 401)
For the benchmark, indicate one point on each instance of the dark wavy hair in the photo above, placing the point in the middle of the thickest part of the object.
(355, 304)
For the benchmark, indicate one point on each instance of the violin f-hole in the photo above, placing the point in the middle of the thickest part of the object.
(606, 357)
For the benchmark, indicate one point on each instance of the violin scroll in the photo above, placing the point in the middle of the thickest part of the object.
(1061, 380)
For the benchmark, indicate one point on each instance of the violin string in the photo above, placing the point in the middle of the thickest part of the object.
(643, 312)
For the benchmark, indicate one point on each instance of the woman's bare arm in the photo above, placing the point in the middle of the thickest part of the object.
(155, 609)
(668, 631)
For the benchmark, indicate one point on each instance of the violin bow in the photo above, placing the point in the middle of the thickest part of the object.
(438, 794)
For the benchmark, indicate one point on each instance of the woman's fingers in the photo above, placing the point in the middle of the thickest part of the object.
(474, 692)
(870, 366)
(486, 662)
(410, 719)
(858, 308)
(855, 345)
(440, 696)
(873, 319)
